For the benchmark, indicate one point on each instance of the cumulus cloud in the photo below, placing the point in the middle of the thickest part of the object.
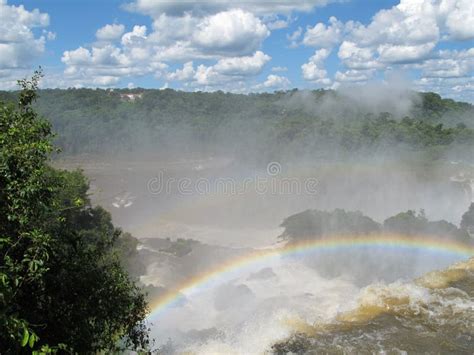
(251, 65)
(274, 82)
(406, 32)
(459, 18)
(354, 75)
(18, 44)
(294, 37)
(110, 33)
(224, 71)
(324, 36)
(171, 29)
(405, 35)
(449, 64)
(185, 74)
(234, 31)
(136, 37)
(277, 23)
(355, 57)
(106, 63)
(389, 53)
(314, 70)
(231, 38)
(410, 23)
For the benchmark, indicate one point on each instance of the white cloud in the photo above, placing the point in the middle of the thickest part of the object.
(459, 18)
(324, 36)
(110, 33)
(234, 31)
(18, 44)
(405, 35)
(314, 70)
(80, 56)
(356, 57)
(279, 69)
(354, 75)
(224, 71)
(50, 36)
(202, 8)
(408, 23)
(294, 37)
(229, 33)
(231, 38)
(169, 29)
(404, 53)
(105, 80)
(226, 34)
(464, 87)
(277, 23)
(136, 37)
(457, 88)
(449, 64)
(274, 82)
(98, 56)
(185, 74)
(107, 64)
(208, 76)
(251, 65)
(283, 6)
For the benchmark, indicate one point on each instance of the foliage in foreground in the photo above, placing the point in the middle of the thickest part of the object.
(62, 284)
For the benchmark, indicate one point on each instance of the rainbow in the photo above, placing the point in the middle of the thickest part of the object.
(263, 256)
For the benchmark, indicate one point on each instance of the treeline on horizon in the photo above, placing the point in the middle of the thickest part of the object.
(320, 123)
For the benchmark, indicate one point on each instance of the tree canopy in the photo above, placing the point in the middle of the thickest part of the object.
(317, 123)
(314, 224)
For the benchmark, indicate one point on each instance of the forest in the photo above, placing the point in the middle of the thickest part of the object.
(322, 123)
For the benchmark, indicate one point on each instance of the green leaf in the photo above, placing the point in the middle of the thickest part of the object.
(26, 335)
(33, 339)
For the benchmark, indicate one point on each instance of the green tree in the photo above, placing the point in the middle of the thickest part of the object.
(411, 223)
(408, 222)
(62, 284)
(314, 224)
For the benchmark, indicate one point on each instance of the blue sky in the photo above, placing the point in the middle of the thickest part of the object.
(243, 46)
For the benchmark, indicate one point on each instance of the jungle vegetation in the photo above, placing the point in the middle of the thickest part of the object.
(316, 123)
(63, 283)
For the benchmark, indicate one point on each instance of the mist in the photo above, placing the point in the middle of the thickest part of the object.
(199, 196)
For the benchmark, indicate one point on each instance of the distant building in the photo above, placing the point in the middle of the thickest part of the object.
(131, 97)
